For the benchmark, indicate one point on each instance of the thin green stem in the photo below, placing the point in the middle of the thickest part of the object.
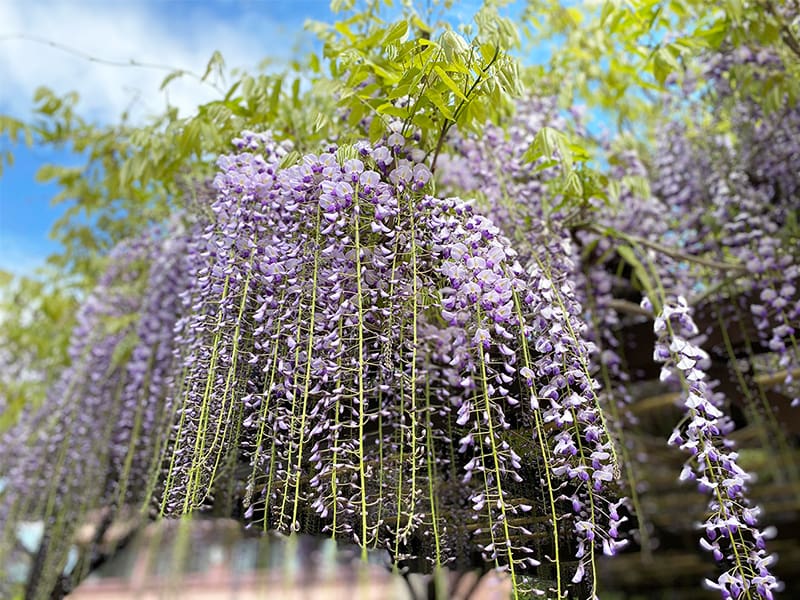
(360, 377)
(543, 448)
(496, 459)
(309, 360)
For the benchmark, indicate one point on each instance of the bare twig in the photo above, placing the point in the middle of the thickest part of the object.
(673, 252)
(628, 307)
(105, 61)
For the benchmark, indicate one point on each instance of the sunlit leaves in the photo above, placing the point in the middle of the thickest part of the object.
(617, 54)
(29, 359)
(16, 131)
(126, 177)
(577, 182)
(400, 71)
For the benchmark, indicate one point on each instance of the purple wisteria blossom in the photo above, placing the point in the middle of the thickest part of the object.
(730, 531)
(146, 405)
(68, 474)
(555, 359)
(732, 199)
(365, 347)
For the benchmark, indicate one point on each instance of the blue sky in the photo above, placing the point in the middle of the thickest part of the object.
(175, 33)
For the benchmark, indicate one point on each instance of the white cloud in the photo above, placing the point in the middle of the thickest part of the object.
(180, 35)
(121, 32)
(22, 255)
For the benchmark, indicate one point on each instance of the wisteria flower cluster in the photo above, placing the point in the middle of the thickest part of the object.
(100, 431)
(730, 531)
(776, 318)
(327, 345)
(558, 361)
(364, 347)
(747, 194)
(750, 190)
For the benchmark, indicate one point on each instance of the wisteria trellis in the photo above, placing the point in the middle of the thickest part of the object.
(329, 345)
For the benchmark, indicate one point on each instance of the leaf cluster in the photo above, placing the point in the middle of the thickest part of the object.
(621, 57)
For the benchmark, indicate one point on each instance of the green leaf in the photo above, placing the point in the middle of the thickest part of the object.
(545, 144)
(292, 158)
(439, 102)
(376, 129)
(216, 62)
(232, 91)
(397, 31)
(712, 36)
(573, 185)
(387, 108)
(665, 62)
(275, 96)
(629, 256)
(420, 24)
(171, 77)
(341, 5)
(451, 85)
(614, 190)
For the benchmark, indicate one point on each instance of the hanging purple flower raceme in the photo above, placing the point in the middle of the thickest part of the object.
(147, 399)
(69, 472)
(766, 194)
(748, 189)
(211, 339)
(777, 314)
(482, 277)
(306, 331)
(730, 531)
(556, 362)
(359, 343)
(516, 315)
(583, 453)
